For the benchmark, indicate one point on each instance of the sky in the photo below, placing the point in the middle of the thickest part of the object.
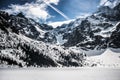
(50, 10)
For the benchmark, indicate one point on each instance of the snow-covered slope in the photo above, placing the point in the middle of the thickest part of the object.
(106, 59)
(19, 50)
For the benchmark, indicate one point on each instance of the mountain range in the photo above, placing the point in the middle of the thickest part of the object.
(27, 43)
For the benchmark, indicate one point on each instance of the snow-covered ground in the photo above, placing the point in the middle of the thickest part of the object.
(106, 59)
(60, 74)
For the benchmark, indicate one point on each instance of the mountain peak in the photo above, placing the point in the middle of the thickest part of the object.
(109, 3)
(21, 15)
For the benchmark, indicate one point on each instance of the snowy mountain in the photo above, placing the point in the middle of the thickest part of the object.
(92, 34)
(26, 43)
(21, 45)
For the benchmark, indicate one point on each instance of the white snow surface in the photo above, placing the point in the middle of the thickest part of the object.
(107, 59)
(60, 74)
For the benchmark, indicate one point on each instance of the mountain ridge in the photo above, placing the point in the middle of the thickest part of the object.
(26, 43)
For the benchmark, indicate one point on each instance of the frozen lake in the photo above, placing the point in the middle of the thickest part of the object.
(60, 74)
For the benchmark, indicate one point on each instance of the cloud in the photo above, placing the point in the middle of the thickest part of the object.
(83, 15)
(59, 23)
(52, 1)
(35, 10)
